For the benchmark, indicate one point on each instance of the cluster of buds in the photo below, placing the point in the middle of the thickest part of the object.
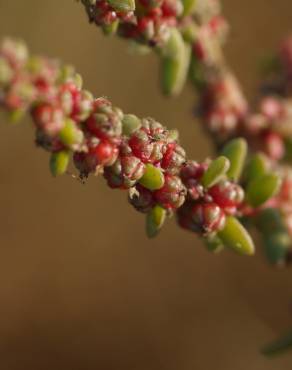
(270, 129)
(109, 14)
(188, 35)
(138, 155)
(146, 21)
(200, 27)
(223, 106)
(207, 207)
(24, 80)
(226, 113)
(210, 35)
(179, 30)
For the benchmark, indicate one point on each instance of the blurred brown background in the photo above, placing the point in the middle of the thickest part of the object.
(81, 287)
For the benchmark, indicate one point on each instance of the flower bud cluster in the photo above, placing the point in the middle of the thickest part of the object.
(147, 21)
(139, 155)
(270, 129)
(206, 208)
(223, 106)
(223, 109)
(226, 113)
(24, 80)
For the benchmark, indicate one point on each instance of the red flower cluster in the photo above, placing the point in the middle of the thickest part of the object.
(132, 153)
(198, 26)
(205, 209)
(24, 80)
(270, 130)
(149, 24)
(226, 113)
(149, 21)
(223, 106)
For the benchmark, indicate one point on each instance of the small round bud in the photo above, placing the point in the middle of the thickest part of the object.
(172, 194)
(125, 172)
(208, 217)
(227, 195)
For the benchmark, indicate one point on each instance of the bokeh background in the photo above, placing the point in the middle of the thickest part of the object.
(81, 287)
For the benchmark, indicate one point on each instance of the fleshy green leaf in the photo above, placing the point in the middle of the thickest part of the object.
(122, 5)
(131, 123)
(16, 115)
(216, 171)
(59, 162)
(196, 74)
(138, 49)
(262, 189)
(173, 135)
(174, 46)
(111, 29)
(155, 220)
(153, 178)
(78, 80)
(70, 134)
(235, 151)
(189, 6)
(256, 167)
(190, 33)
(66, 72)
(276, 239)
(276, 246)
(270, 221)
(214, 244)
(175, 64)
(279, 346)
(6, 72)
(236, 237)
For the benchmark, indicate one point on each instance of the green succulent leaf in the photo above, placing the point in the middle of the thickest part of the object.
(15, 116)
(280, 345)
(236, 237)
(131, 123)
(111, 29)
(196, 74)
(190, 33)
(155, 220)
(153, 178)
(276, 246)
(270, 221)
(6, 72)
(256, 167)
(174, 46)
(216, 171)
(235, 151)
(123, 5)
(175, 64)
(276, 240)
(189, 6)
(70, 134)
(214, 244)
(261, 189)
(59, 162)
